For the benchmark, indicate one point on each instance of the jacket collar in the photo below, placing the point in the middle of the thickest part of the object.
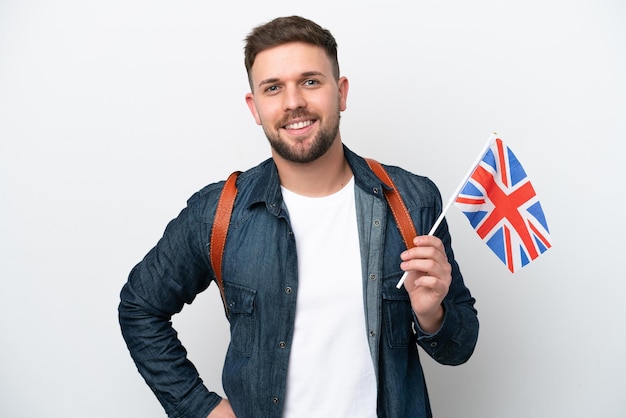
(264, 182)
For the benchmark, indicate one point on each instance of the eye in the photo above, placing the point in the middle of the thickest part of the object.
(271, 89)
(311, 82)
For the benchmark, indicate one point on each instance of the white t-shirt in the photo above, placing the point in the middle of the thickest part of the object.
(331, 373)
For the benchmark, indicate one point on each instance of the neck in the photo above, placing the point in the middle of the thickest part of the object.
(322, 177)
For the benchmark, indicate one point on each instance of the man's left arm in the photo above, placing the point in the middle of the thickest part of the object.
(445, 317)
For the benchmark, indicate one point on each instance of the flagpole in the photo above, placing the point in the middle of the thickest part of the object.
(484, 150)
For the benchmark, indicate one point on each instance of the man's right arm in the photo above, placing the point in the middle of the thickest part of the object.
(169, 276)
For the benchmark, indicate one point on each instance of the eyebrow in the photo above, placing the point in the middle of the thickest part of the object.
(305, 74)
(268, 81)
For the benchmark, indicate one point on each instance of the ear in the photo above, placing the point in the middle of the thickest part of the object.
(252, 106)
(343, 86)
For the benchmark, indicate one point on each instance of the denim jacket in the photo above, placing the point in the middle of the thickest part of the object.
(261, 285)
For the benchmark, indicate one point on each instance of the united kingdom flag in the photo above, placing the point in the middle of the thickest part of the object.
(502, 206)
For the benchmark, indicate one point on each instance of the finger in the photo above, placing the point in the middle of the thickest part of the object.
(428, 241)
(422, 265)
(432, 283)
(426, 249)
(417, 253)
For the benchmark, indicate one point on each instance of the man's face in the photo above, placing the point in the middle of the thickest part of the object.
(297, 100)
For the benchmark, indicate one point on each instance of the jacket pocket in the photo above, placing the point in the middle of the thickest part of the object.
(397, 313)
(240, 302)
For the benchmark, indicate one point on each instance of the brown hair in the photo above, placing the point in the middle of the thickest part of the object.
(283, 30)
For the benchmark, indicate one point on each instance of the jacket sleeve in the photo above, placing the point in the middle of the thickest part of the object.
(169, 276)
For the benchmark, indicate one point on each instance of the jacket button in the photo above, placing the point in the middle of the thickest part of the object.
(288, 290)
(282, 344)
(275, 400)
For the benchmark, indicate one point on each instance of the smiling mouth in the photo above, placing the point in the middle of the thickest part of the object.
(299, 125)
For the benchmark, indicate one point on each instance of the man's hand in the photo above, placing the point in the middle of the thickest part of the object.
(222, 410)
(428, 280)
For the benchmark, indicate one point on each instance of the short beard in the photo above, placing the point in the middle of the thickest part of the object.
(322, 143)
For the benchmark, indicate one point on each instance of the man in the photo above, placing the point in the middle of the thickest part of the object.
(312, 258)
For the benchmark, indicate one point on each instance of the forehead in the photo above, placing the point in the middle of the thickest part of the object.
(290, 60)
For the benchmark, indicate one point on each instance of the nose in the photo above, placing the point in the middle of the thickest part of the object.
(293, 99)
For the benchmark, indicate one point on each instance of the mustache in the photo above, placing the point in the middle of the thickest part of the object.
(296, 114)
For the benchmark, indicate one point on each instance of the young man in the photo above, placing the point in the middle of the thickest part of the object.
(312, 258)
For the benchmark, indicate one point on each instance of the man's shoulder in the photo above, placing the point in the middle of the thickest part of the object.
(394, 171)
(402, 174)
(415, 188)
(206, 198)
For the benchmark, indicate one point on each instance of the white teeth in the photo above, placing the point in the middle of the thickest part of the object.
(298, 125)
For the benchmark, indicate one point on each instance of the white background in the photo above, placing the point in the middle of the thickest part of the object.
(113, 113)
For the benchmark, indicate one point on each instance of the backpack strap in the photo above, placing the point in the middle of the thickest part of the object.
(220, 229)
(398, 208)
(227, 200)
